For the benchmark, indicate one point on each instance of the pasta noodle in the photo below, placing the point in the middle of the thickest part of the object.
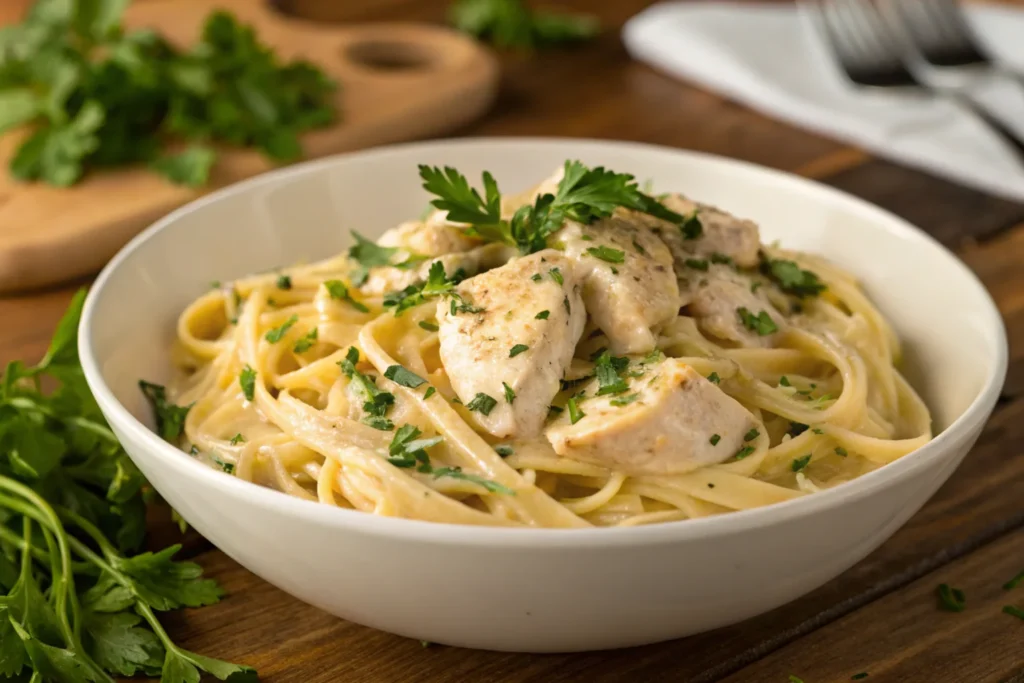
(827, 399)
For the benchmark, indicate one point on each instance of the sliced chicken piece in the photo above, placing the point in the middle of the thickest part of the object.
(725, 307)
(628, 283)
(670, 421)
(523, 339)
(386, 279)
(433, 237)
(721, 233)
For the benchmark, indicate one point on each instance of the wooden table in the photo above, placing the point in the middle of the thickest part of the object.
(880, 617)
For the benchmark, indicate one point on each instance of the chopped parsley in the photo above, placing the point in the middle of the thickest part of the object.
(743, 452)
(691, 226)
(951, 599)
(784, 381)
(237, 439)
(797, 428)
(639, 248)
(228, 467)
(517, 349)
(697, 263)
(503, 450)
(404, 377)
(714, 378)
(715, 438)
(1014, 582)
(800, 463)
(817, 431)
(429, 327)
(482, 403)
(556, 275)
(170, 418)
(543, 315)
(457, 473)
(723, 259)
(575, 414)
(407, 450)
(1013, 611)
(369, 254)
(760, 323)
(510, 394)
(751, 435)
(284, 282)
(428, 393)
(273, 336)
(376, 403)
(609, 370)
(338, 290)
(608, 254)
(624, 400)
(306, 343)
(536, 277)
(841, 451)
(247, 380)
(858, 677)
(792, 279)
(565, 302)
(754, 286)
(437, 284)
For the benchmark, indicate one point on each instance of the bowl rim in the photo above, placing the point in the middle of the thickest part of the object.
(930, 454)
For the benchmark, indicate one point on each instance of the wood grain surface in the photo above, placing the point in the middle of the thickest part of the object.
(881, 616)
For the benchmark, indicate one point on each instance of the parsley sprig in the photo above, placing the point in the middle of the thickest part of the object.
(792, 279)
(94, 95)
(78, 602)
(510, 23)
(408, 450)
(376, 402)
(584, 194)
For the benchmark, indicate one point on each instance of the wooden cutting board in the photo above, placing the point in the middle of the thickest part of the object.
(398, 82)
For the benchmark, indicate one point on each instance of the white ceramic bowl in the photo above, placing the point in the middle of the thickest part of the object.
(535, 589)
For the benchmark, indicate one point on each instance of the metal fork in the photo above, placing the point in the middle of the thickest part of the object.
(942, 35)
(870, 55)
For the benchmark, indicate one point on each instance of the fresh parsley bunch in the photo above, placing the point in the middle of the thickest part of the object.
(93, 95)
(510, 23)
(78, 602)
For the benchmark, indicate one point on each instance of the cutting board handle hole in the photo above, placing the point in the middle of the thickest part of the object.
(393, 56)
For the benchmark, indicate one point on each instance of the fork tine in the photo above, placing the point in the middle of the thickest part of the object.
(866, 28)
(950, 16)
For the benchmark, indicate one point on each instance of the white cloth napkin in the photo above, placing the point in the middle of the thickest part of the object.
(770, 58)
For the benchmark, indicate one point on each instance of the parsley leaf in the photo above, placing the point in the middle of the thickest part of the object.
(575, 414)
(191, 167)
(457, 473)
(792, 279)
(951, 599)
(276, 334)
(376, 403)
(437, 284)
(306, 343)
(517, 349)
(692, 228)
(761, 323)
(429, 327)
(170, 418)
(743, 452)
(800, 463)
(697, 264)
(714, 378)
(715, 438)
(338, 290)
(404, 377)
(482, 403)
(543, 315)
(247, 380)
(510, 394)
(624, 400)
(608, 254)
(608, 369)
(556, 275)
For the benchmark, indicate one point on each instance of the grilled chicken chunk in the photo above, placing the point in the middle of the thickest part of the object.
(433, 237)
(722, 303)
(721, 233)
(677, 422)
(628, 283)
(532, 302)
